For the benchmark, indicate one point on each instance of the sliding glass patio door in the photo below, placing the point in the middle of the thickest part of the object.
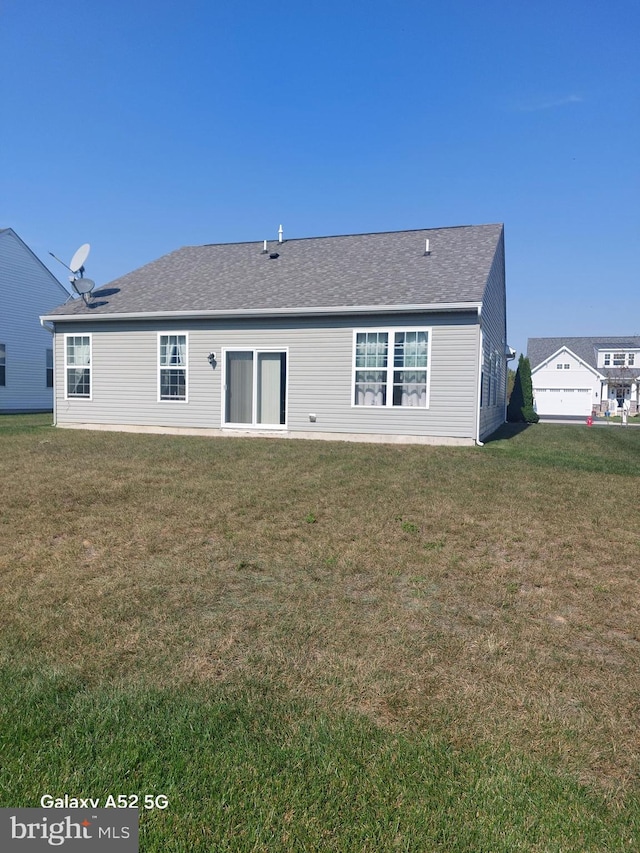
(255, 388)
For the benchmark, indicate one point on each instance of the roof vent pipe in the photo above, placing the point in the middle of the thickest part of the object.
(280, 234)
(264, 247)
(427, 250)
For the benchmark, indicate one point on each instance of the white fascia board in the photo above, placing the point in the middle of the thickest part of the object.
(566, 349)
(431, 307)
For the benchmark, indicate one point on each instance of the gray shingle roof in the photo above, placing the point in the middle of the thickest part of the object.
(384, 269)
(539, 349)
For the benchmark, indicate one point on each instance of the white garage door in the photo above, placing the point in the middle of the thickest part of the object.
(563, 401)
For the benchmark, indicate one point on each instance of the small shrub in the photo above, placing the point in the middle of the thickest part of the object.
(529, 415)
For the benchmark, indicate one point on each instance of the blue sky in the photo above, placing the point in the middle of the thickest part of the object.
(142, 126)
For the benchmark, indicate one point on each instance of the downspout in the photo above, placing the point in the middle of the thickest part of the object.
(52, 331)
(479, 383)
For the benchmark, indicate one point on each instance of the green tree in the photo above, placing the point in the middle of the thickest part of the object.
(520, 408)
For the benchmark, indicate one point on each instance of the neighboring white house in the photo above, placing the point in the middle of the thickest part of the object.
(27, 289)
(583, 376)
(397, 336)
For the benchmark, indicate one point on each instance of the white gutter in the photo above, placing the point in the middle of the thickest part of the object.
(479, 386)
(316, 311)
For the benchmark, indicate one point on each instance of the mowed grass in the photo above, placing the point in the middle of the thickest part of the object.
(326, 646)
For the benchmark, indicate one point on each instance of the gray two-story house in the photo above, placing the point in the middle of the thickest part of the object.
(577, 377)
(27, 289)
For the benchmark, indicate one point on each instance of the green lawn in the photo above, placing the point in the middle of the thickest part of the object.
(326, 646)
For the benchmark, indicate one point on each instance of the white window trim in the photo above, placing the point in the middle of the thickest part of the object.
(255, 351)
(627, 358)
(47, 368)
(390, 330)
(67, 396)
(491, 380)
(175, 401)
(495, 376)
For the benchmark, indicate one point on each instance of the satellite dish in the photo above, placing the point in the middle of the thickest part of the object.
(81, 255)
(80, 284)
(83, 285)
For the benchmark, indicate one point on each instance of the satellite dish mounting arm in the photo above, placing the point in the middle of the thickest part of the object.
(81, 285)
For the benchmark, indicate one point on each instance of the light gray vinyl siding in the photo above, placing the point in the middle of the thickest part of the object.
(494, 337)
(27, 290)
(319, 374)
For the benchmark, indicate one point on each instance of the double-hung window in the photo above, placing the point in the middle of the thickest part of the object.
(619, 359)
(391, 367)
(494, 379)
(172, 367)
(49, 361)
(77, 354)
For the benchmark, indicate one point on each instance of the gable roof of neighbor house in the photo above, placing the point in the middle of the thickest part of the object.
(319, 274)
(539, 349)
(10, 233)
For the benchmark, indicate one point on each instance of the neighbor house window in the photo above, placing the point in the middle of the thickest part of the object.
(77, 351)
(3, 365)
(607, 359)
(559, 366)
(631, 359)
(618, 359)
(172, 367)
(567, 366)
(391, 368)
(49, 368)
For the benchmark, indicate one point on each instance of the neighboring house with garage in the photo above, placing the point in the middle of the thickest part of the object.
(583, 376)
(27, 289)
(395, 337)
